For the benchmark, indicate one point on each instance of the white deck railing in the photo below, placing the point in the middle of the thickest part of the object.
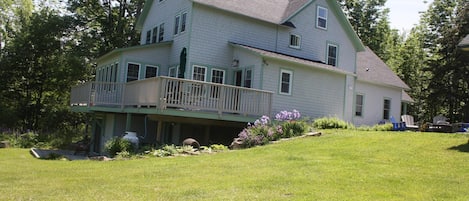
(166, 92)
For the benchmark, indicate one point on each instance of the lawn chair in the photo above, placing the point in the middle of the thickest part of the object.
(440, 124)
(397, 126)
(409, 122)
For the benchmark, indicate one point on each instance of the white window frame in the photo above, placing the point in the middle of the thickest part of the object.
(177, 23)
(183, 23)
(204, 75)
(161, 32)
(138, 73)
(318, 17)
(359, 107)
(290, 83)
(174, 69)
(386, 109)
(222, 78)
(148, 37)
(297, 38)
(115, 66)
(151, 66)
(247, 78)
(336, 58)
(154, 36)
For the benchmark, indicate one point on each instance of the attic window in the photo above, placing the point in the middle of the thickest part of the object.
(295, 41)
(147, 41)
(321, 19)
(161, 34)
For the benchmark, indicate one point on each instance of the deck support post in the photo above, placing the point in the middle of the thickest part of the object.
(128, 122)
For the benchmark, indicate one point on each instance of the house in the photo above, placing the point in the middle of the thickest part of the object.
(379, 92)
(206, 67)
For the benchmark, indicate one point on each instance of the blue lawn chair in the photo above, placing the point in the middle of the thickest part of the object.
(397, 126)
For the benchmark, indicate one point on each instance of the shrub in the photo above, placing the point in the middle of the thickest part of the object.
(293, 128)
(25, 140)
(331, 123)
(379, 127)
(116, 145)
(218, 147)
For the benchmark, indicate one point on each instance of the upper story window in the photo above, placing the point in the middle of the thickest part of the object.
(176, 24)
(154, 35)
(161, 34)
(295, 41)
(286, 78)
(151, 71)
(332, 54)
(183, 22)
(321, 18)
(133, 70)
(359, 105)
(199, 73)
(148, 39)
(386, 109)
(218, 76)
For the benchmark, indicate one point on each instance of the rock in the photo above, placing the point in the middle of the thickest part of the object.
(192, 142)
(236, 144)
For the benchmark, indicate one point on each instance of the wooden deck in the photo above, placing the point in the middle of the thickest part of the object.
(162, 93)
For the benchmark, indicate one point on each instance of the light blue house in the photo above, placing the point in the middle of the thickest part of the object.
(206, 67)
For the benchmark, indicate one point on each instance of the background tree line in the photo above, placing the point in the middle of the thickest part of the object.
(48, 47)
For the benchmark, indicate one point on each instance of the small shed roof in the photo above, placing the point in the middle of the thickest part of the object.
(371, 68)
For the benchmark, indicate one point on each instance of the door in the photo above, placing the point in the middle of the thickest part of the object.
(238, 78)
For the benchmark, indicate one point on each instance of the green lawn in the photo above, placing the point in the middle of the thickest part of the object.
(340, 165)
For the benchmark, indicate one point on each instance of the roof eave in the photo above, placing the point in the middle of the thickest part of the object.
(144, 14)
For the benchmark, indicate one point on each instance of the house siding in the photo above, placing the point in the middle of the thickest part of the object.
(212, 30)
(309, 93)
(374, 96)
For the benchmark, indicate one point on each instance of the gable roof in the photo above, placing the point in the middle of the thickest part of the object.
(273, 11)
(292, 59)
(371, 68)
(464, 44)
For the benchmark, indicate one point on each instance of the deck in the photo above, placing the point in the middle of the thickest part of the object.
(165, 93)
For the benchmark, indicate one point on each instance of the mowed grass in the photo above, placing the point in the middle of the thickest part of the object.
(340, 165)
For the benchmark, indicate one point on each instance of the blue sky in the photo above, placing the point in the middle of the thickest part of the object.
(404, 14)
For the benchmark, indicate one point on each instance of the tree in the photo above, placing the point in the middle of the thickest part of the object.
(370, 21)
(446, 23)
(38, 68)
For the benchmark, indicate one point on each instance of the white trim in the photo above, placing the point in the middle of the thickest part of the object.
(151, 66)
(176, 68)
(177, 25)
(298, 41)
(127, 70)
(336, 54)
(321, 17)
(290, 83)
(223, 78)
(205, 72)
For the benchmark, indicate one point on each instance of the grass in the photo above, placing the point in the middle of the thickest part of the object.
(340, 165)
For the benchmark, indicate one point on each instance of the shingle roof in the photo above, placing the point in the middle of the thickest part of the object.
(274, 11)
(371, 68)
(288, 58)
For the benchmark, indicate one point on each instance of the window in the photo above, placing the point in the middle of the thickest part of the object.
(148, 37)
(386, 109)
(183, 22)
(331, 55)
(155, 34)
(176, 25)
(321, 21)
(198, 73)
(295, 41)
(173, 71)
(161, 35)
(151, 71)
(359, 105)
(114, 77)
(285, 82)
(218, 76)
(248, 78)
(132, 72)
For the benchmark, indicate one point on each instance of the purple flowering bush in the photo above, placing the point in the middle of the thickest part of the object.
(286, 124)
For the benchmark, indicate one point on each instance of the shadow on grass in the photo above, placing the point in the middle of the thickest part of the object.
(461, 148)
